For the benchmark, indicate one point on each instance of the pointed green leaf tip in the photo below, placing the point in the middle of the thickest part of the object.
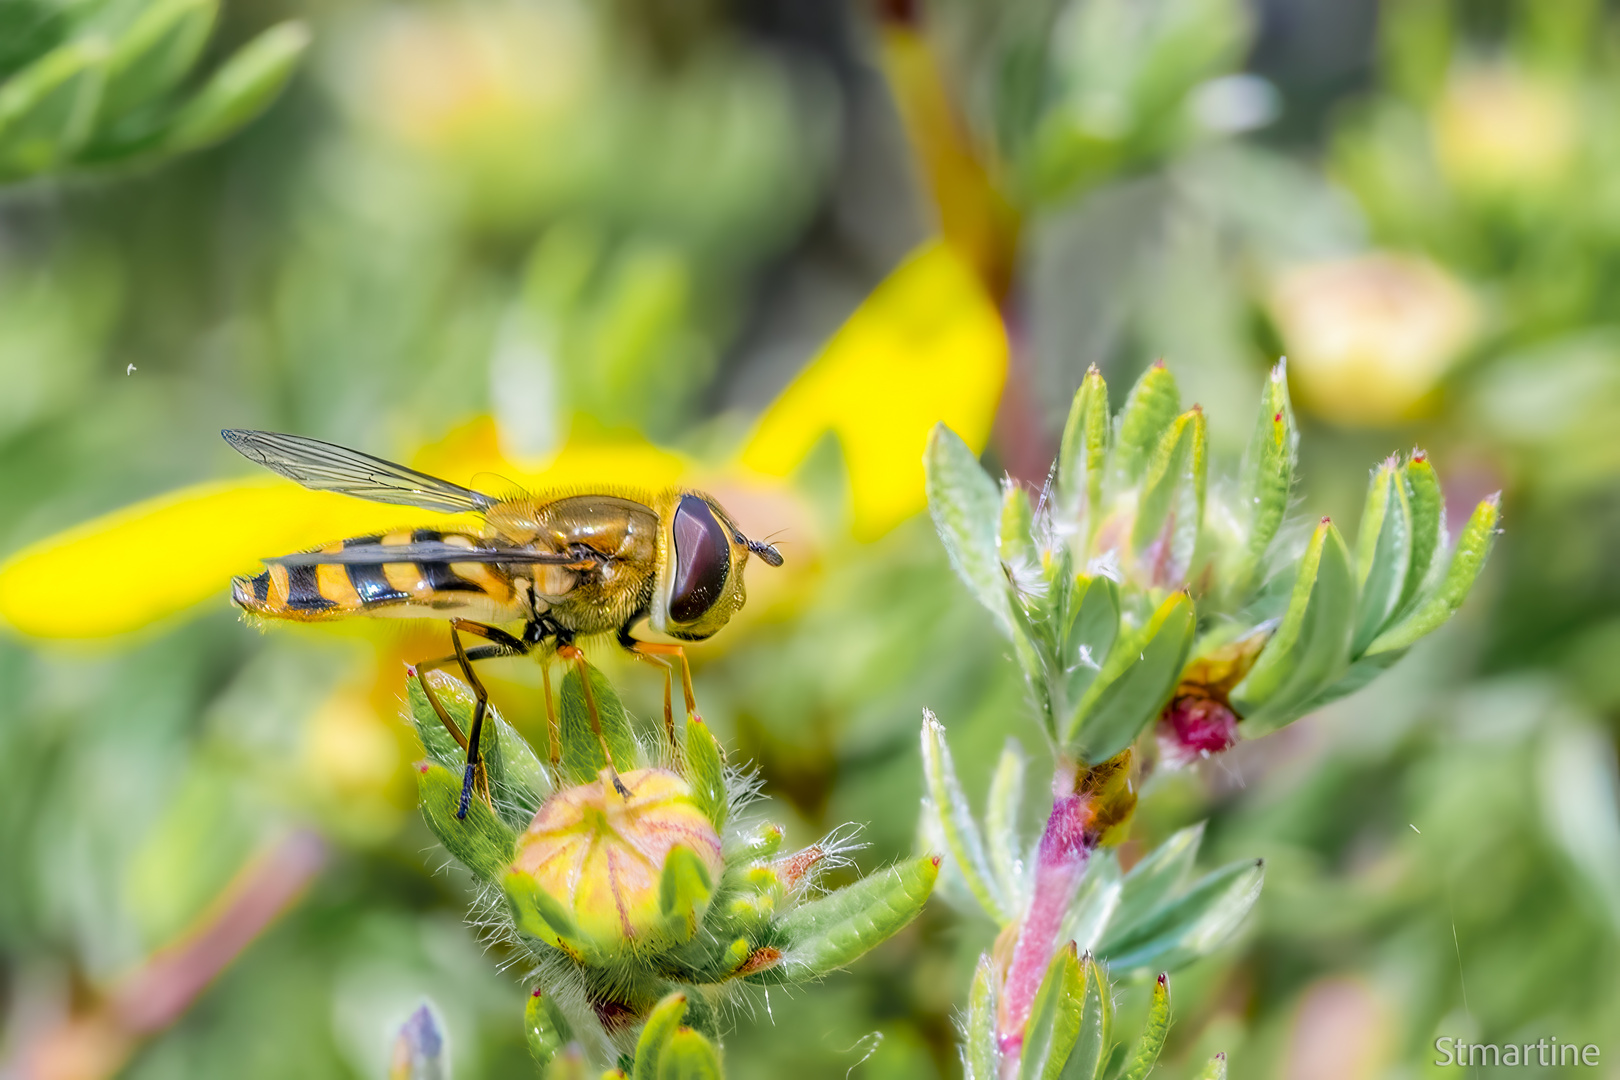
(827, 933)
(966, 508)
(1186, 926)
(155, 53)
(706, 772)
(1383, 554)
(1310, 649)
(419, 1049)
(1084, 450)
(956, 820)
(1153, 1034)
(689, 1056)
(1215, 1070)
(481, 842)
(1150, 409)
(1136, 680)
(981, 1059)
(1054, 1018)
(684, 891)
(1170, 509)
(1442, 600)
(241, 89)
(1266, 479)
(582, 758)
(1095, 1038)
(545, 1028)
(660, 1027)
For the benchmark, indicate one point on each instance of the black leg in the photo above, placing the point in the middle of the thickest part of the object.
(502, 644)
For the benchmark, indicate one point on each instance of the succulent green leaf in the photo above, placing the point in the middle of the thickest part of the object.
(1083, 453)
(582, 758)
(1310, 650)
(1135, 682)
(981, 1058)
(1383, 555)
(47, 109)
(541, 915)
(1170, 508)
(242, 88)
(1054, 1018)
(1160, 873)
(156, 53)
(544, 1027)
(1215, 1070)
(524, 782)
(966, 508)
(689, 1056)
(684, 891)
(1185, 927)
(831, 931)
(1267, 477)
(1014, 542)
(1096, 625)
(706, 772)
(661, 1025)
(1442, 601)
(956, 819)
(1001, 823)
(1091, 1048)
(1150, 409)
(1153, 1033)
(1096, 903)
(481, 842)
(437, 741)
(517, 779)
(1428, 506)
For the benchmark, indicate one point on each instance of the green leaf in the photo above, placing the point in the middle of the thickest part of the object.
(966, 508)
(1091, 1048)
(481, 842)
(956, 819)
(568, 1064)
(1311, 647)
(1095, 904)
(242, 88)
(684, 890)
(1383, 554)
(1442, 601)
(582, 757)
(541, 915)
(1185, 927)
(1135, 682)
(48, 108)
(689, 1056)
(1266, 478)
(1013, 540)
(1084, 451)
(1001, 823)
(1054, 1018)
(517, 779)
(829, 932)
(1091, 639)
(706, 772)
(545, 1027)
(1159, 874)
(1428, 506)
(1153, 1033)
(981, 1058)
(1170, 508)
(1150, 409)
(660, 1027)
(155, 53)
(1215, 1070)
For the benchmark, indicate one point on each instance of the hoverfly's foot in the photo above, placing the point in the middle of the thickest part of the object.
(466, 792)
(618, 785)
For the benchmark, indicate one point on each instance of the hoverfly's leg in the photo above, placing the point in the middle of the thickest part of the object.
(669, 692)
(553, 725)
(475, 760)
(649, 649)
(572, 653)
(502, 644)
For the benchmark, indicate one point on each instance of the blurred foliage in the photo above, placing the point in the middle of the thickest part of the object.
(594, 221)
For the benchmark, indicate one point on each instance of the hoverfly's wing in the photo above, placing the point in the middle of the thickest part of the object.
(324, 466)
(435, 551)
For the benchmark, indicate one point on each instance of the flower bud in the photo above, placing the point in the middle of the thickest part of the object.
(1195, 726)
(598, 871)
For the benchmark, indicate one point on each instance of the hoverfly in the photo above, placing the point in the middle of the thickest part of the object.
(657, 569)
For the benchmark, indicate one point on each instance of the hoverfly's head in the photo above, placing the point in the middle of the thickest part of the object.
(702, 583)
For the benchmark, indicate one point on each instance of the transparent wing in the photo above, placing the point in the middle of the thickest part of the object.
(324, 466)
(433, 551)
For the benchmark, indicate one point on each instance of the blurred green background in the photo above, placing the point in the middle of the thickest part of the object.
(646, 216)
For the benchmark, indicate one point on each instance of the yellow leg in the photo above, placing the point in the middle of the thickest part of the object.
(553, 725)
(649, 649)
(669, 684)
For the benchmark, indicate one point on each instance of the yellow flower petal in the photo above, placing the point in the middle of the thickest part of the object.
(155, 559)
(926, 347)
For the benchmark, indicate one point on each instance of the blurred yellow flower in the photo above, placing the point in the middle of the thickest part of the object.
(1369, 338)
(926, 347)
(1497, 130)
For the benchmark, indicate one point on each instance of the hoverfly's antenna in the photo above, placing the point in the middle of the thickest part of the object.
(765, 551)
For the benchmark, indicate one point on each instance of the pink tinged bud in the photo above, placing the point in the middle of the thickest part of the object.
(1194, 727)
(602, 856)
(1060, 864)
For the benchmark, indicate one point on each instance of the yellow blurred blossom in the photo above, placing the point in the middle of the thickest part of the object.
(1498, 130)
(355, 755)
(926, 347)
(1368, 338)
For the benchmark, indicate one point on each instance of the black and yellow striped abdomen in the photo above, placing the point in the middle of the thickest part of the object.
(407, 589)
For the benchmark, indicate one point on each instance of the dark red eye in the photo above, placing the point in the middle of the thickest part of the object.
(702, 560)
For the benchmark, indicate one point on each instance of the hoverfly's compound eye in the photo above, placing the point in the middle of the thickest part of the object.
(702, 560)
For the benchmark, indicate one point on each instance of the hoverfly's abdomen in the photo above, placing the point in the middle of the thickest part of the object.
(407, 589)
